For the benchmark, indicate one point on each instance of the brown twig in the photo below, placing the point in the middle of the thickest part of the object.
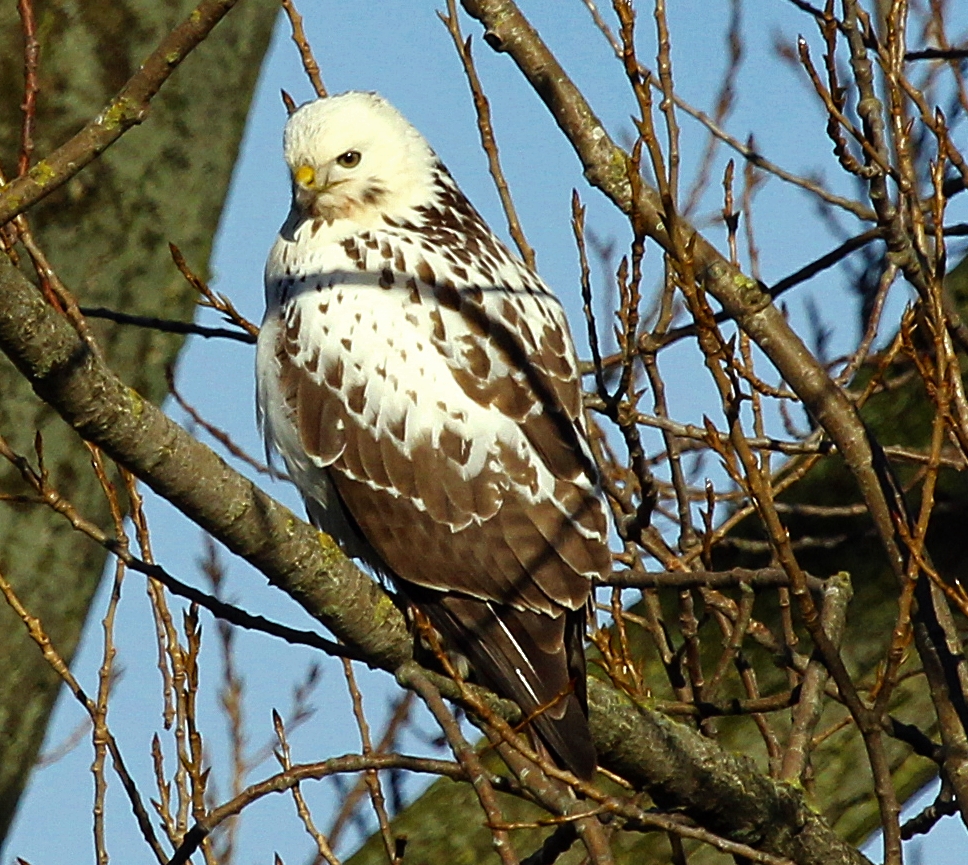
(466, 757)
(230, 697)
(218, 302)
(488, 141)
(168, 325)
(286, 780)
(305, 51)
(371, 778)
(398, 717)
(31, 87)
(323, 846)
(106, 671)
(222, 437)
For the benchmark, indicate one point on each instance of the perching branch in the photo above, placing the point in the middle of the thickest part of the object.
(295, 557)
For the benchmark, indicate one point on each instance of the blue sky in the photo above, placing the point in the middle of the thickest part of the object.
(400, 49)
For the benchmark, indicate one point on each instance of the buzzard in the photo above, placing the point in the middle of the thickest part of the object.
(421, 385)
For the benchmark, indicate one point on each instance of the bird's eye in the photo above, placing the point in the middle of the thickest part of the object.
(350, 159)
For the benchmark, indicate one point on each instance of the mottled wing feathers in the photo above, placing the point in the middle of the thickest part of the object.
(440, 507)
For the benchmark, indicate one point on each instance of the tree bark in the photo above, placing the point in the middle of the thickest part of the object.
(106, 233)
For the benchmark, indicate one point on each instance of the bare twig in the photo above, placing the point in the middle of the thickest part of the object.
(305, 51)
(218, 302)
(168, 325)
(222, 437)
(323, 846)
(31, 87)
(371, 778)
(488, 141)
(398, 717)
(289, 778)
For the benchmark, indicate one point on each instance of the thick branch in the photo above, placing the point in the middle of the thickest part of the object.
(723, 792)
(307, 565)
(294, 557)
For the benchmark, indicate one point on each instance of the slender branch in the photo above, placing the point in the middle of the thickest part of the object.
(290, 778)
(29, 106)
(806, 716)
(218, 302)
(488, 140)
(371, 777)
(766, 578)
(467, 758)
(305, 51)
(399, 717)
(283, 755)
(221, 436)
(168, 325)
(937, 54)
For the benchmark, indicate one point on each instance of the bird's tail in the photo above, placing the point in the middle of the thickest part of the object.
(533, 658)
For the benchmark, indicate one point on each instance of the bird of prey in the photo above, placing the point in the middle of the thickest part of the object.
(421, 385)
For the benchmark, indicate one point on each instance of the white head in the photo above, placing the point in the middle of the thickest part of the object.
(355, 156)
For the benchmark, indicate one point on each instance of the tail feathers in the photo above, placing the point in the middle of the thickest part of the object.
(532, 658)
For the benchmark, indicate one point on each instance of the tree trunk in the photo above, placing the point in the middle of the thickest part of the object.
(106, 234)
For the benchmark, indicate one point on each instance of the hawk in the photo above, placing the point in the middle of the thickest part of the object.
(420, 383)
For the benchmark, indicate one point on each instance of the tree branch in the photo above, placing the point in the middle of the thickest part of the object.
(723, 792)
(127, 109)
(167, 325)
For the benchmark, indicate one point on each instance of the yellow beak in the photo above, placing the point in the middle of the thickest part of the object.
(305, 176)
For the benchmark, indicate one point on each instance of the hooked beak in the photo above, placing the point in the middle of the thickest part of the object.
(305, 177)
(313, 194)
(307, 187)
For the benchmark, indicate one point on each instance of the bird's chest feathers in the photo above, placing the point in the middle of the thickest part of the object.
(369, 330)
(362, 320)
(411, 336)
(380, 304)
